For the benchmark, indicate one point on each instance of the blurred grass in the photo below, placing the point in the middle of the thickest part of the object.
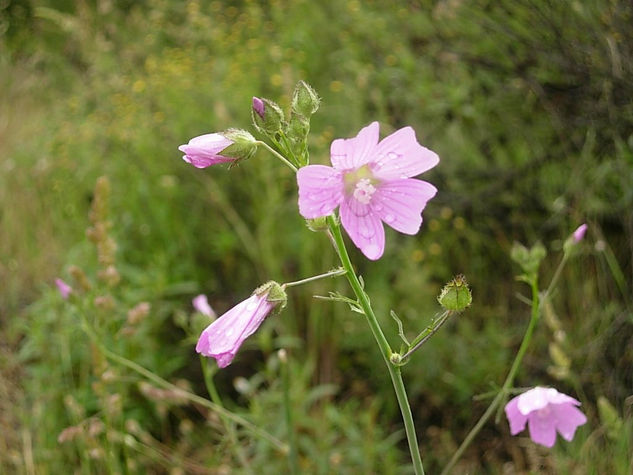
(528, 105)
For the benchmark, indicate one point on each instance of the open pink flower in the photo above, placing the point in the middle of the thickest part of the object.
(222, 339)
(546, 411)
(201, 304)
(371, 182)
(205, 150)
(64, 289)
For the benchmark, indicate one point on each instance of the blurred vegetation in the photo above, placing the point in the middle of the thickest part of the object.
(528, 105)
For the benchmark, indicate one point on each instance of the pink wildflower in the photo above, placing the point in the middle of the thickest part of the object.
(579, 233)
(222, 339)
(201, 304)
(371, 182)
(205, 150)
(64, 289)
(546, 411)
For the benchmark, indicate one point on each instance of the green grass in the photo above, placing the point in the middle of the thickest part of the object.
(528, 106)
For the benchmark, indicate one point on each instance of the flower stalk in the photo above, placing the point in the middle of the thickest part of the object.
(381, 340)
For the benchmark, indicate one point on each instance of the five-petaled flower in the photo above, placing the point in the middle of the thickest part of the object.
(546, 411)
(206, 150)
(371, 182)
(222, 339)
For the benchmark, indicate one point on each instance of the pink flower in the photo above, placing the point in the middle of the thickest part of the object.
(546, 411)
(205, 150)
(222, 339)
(201, 304)
(371, 182)
(579, 233)
(64, 289)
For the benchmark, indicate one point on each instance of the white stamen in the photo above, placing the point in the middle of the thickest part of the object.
(364, 190)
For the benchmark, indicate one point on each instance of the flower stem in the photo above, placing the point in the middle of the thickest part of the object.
(332, 273)
(278, 155)
(537, 303)
(383, 344)
(292, 439)
(428, 333)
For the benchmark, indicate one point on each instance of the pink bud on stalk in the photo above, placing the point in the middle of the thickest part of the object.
(205, 150)
(258, 106)
(201, 304)
(222, 339)
(64, 289)
(579, 233)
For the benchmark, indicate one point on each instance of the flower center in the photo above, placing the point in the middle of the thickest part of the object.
(364, 190)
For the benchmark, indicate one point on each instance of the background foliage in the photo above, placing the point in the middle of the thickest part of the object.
(527, 103)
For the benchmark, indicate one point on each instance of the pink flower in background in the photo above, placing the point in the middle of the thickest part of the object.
(201, 304)
(222, 339)
(371, 182)
(205, 150)
(579, 233)
(64, 289)
(546, 411)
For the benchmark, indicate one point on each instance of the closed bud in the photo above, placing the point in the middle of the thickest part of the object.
(268, 118)
(456, 295)
(305, 100)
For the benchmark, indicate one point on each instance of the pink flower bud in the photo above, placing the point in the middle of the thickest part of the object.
(205, 150)
(201, 304)
(64, 289)
(579, 233)
(258, 106)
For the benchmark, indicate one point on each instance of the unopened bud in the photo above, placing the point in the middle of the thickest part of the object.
(267, 116)
(456, 295)
(528, 259)
(305, 100)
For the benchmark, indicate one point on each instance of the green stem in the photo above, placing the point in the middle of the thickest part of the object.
(292, 440)
(537, 303)
(383, 344)
(332, 273)
(427, 333)
(181, 392)
(215, 397)
(278, 155)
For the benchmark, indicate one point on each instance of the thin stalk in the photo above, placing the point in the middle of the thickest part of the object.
(278, 155)
(427, 333)
(215, 397)
(383, 344)
(137, 368)
(292, 439)
(537, 303)
(332, 273)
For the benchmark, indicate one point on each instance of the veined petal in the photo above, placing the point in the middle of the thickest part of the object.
(346, 154)
(515, 418)
(399, 203)
(222, 339)
(542, 430)
(567, 419)
(401, 156)
(320, 190)
(364, 227)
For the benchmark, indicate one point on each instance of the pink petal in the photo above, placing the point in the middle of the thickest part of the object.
(320, 190)
(364, 227)
(204, 150)
(579, 233)
(399, 203)
(401, 156)
(534, 399)
(222, 339)
(554, 397)
(346, 154)
(567, 419)
(542, 428)
(64, 289)
(515, 418)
